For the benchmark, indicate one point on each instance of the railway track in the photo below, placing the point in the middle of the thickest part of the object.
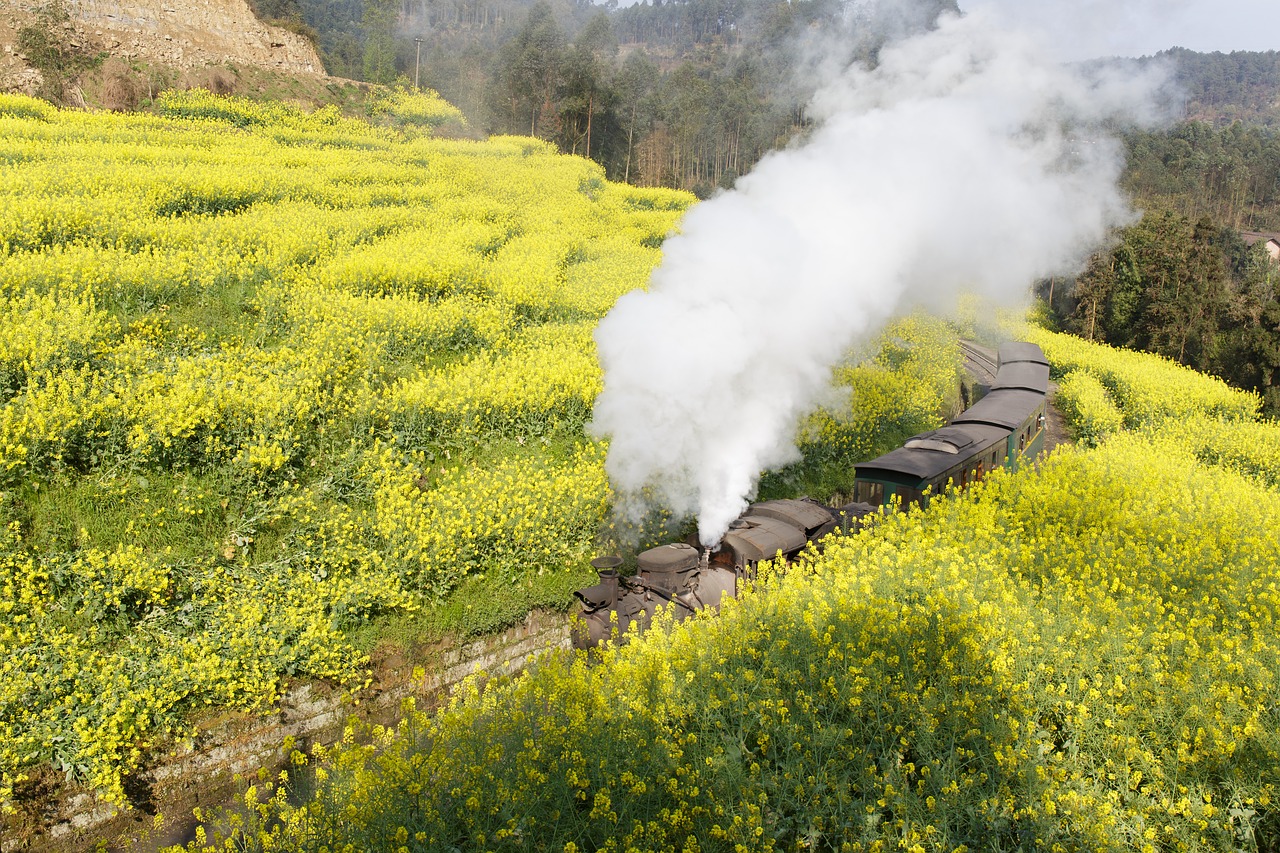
(979, 361)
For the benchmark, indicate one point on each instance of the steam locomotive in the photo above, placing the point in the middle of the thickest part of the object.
(1005, 428)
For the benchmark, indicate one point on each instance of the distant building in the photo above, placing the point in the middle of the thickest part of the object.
(1272, 242)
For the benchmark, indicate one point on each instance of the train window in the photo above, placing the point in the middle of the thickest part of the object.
(908, 496)
(871, 493)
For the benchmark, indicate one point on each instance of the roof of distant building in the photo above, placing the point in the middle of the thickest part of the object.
(1251, 237)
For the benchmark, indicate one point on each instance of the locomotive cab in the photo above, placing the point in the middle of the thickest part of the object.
(753, 538)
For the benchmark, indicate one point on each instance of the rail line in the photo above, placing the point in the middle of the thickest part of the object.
(979, 361)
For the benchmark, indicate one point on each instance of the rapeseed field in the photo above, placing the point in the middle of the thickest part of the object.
(1079, 656)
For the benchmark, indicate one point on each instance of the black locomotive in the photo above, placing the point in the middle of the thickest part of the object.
(1005, 428)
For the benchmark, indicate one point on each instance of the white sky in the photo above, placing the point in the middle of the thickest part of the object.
(1089, 28)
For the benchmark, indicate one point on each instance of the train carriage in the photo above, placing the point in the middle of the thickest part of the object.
(1020, 412)
(926, 464)
(1022, 375)
(1020, 351)
(1005, 428)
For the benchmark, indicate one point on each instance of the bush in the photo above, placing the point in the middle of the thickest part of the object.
(1087, 408)
(121, 87)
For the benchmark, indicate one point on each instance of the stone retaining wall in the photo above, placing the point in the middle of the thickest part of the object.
(201, 773)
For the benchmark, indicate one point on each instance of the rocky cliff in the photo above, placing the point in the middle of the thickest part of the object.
(184, 34)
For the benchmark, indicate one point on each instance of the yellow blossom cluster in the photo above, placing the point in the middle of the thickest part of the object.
(544, 383)
(242, 112)
(1146, 388)
(1087, 407)
(901, 390)
(505, 518)
(424, 107)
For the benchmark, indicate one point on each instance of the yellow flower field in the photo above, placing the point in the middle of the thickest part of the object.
(271, 377)
(1078, 656)
(268, 375)
(1082, 657)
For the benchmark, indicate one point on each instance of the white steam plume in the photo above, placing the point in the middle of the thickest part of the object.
(965, 160)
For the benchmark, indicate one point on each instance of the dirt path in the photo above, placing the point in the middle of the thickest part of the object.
(1055, 429)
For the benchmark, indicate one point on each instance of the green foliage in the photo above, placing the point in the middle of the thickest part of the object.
(379, 56)
(1221, 88)
(1228, 173)
(1194, 293)
(51, 45)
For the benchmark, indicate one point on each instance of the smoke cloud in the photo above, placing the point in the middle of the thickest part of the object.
(966, 160)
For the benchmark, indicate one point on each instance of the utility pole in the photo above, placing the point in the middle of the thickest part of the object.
(417, 40)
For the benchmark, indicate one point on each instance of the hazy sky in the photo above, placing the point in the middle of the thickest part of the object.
(1086, 28)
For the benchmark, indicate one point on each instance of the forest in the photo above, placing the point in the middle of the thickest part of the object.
(681, 93)
(1191, 279)
(690, 94)
(686, 93)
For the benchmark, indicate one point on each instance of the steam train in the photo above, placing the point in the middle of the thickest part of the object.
(1004, 429)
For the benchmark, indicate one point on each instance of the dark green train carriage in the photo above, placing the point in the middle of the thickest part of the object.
(1004, 429)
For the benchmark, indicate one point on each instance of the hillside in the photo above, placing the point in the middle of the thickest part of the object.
(1226, 87)
(178, 34)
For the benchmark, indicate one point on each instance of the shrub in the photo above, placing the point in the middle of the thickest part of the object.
(1087, 408)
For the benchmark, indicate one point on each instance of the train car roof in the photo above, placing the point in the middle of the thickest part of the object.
(1015, 351)
(806, 514)
(932, 453)
(1006, 408)
(761, 538)
(1027, 375)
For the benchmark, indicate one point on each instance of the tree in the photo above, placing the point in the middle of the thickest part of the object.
(585, 82)
(633, 87)
(528, 74)
(379, 58)
(1249, 344)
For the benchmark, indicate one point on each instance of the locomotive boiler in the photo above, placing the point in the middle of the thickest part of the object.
(687, 578)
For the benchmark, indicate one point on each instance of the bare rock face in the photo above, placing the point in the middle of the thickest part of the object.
(177, 33)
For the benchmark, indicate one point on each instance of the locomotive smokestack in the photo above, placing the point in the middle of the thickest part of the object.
(607, 567)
